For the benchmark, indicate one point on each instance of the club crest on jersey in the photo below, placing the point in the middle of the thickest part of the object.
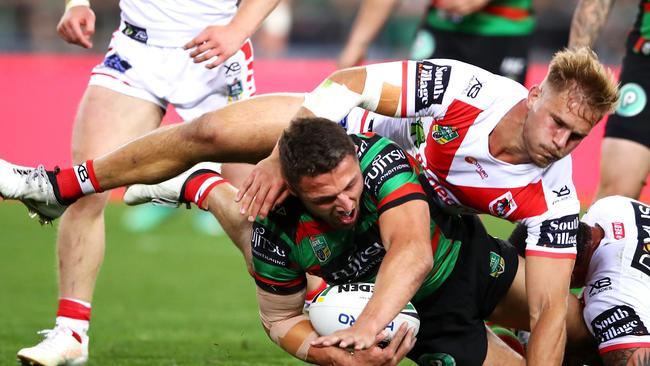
(497, 265)
(320, 247)
(443, 134)
(503, 206)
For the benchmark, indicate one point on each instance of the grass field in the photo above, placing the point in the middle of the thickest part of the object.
(169, 297)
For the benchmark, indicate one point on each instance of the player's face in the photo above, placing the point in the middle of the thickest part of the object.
(334, 196)
(555, 124)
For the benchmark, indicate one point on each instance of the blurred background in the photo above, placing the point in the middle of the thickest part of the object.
(318, 28)
(175, 296)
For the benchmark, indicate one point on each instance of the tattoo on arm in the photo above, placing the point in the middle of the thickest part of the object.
(622, 356)
(588, 19)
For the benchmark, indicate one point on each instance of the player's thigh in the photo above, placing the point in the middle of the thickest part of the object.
(499, 353)
(236, 173)
(512, 309)
(624, 167)
(107, 119)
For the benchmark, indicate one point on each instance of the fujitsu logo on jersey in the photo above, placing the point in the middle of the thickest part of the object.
(619, 230)
(266, 249)
(385, 165)
(360, 263)
(559, 233)
(617, 322)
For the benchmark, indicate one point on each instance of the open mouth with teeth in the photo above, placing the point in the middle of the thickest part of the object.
(348, 217)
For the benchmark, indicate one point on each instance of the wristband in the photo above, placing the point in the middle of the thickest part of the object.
(72, 3)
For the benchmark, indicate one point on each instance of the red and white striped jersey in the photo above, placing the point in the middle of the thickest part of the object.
(171, 23)
(455, 107)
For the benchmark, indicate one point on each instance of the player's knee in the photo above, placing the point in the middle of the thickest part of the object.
(87, 207)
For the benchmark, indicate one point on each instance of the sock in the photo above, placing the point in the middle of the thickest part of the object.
(75, 315)
(198, 186)
(76, 182)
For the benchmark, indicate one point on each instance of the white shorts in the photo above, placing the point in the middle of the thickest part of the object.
(165, 75)
(617, 299)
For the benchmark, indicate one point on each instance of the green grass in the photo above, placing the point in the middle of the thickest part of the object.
(169, 297)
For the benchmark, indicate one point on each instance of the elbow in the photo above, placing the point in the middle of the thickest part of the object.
(423, 265)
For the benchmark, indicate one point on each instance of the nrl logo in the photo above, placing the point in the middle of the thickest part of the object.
(443, 134)
(497, 265)
(320, 247)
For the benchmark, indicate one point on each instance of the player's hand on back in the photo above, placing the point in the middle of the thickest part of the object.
(352, 55)
(77, 26)
(220, 41)
(263, 189)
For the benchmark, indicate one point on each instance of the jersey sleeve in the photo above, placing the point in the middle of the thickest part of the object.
(407, 133)
(274, 267)
(554, 232)
(390, 175)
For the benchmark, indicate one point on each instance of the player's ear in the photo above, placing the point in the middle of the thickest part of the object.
(534, 93)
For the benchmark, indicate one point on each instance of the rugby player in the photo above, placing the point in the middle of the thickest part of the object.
(613, 264)
(360, 212)
(194, 55)
(625, 150)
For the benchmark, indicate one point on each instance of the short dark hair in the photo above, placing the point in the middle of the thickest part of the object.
(584, 245)
(312, 146)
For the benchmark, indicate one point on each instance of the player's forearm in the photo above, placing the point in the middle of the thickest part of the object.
(400, 276)
(548, 337)
(588, 19)
(372, 16)
(251, 14)
(547, 289)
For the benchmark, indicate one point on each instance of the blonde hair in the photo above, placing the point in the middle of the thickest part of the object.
(579, 69)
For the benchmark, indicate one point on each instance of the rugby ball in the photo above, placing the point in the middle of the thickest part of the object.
(337, 307)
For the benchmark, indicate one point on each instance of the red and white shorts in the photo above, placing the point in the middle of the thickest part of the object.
(168, 75)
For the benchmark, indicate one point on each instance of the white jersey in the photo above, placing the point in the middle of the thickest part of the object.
(617, 292)
(456, 107)
(171, 23)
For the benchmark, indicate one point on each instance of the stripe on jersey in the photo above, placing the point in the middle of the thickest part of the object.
(412, 191)
(280, 287)
(614, 347)
(459, 116)
(363, 121)
(540, 253)
(529, 200)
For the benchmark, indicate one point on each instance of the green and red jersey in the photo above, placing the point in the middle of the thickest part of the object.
(292, 242)
(639, 38)
(497, 18)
